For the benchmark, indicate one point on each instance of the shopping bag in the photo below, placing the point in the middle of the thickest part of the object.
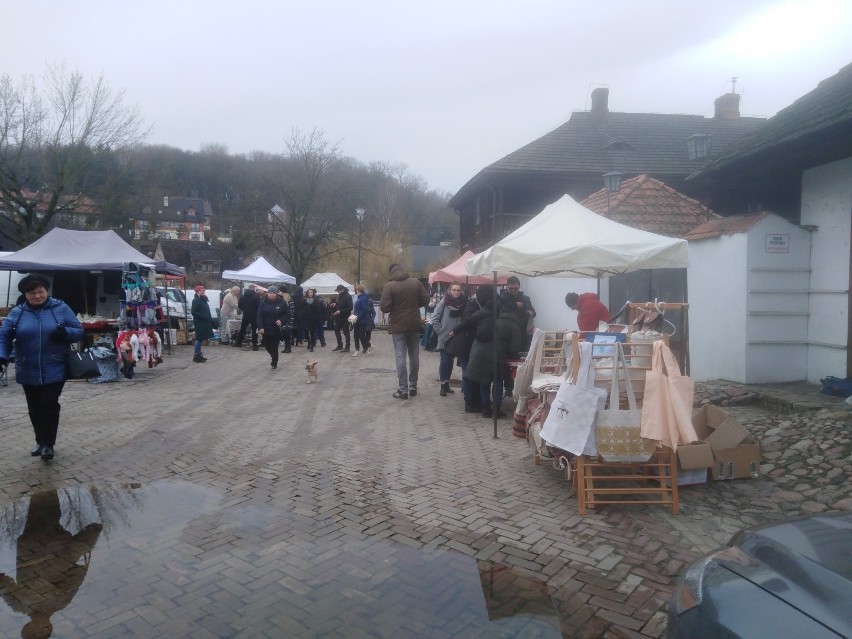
(80, 365)
(667, 405)
(570, 424)
(618, 431)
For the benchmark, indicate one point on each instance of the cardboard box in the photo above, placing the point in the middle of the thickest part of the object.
(740, 462)
(716, 427)
(722, 439)
(695, 456)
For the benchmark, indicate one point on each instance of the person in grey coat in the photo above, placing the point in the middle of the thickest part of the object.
(447, 314)
(42, 328)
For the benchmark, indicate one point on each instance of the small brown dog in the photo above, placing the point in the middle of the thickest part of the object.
(312, 367)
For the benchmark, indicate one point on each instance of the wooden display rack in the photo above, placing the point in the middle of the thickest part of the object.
(599, 482)
(552, 359)
(652, 482)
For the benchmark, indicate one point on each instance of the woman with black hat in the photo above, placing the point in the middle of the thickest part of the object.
(42, 328)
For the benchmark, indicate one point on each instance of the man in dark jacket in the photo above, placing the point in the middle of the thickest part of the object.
(341, 318)
(273, 316)
(402, 298)
(248, 304)
(513, 299)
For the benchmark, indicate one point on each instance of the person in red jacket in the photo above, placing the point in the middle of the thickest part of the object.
(590, 310)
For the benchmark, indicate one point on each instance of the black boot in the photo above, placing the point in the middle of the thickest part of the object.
(444, 387)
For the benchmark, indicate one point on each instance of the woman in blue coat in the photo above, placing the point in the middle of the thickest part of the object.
(365, 323)
(42, 328)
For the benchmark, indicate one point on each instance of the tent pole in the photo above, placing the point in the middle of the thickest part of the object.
(494, 406)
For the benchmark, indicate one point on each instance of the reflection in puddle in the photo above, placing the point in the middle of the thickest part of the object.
(169, 560)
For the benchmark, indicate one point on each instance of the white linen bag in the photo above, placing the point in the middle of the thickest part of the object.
(570, 424)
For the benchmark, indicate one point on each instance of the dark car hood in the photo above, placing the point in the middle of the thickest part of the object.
(805, 562)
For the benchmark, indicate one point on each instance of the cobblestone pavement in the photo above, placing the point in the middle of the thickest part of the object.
(332, 509)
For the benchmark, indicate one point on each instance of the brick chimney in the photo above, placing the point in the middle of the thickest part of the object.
(727, 106)
(600, 104)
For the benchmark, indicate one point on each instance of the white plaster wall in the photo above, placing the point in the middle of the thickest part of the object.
(777, 303)
(827, 204)
(548, 297)
(716, 280)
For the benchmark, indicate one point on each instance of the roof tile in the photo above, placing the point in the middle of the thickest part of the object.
(725, 226)
(648, 204)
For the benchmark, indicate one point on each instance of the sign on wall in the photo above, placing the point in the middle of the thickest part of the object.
(777, 243)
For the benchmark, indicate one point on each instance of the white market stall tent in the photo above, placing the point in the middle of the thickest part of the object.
(259, 271)
(326, 283)
(568, 240)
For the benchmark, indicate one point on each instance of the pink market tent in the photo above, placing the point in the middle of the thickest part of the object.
(457, 272)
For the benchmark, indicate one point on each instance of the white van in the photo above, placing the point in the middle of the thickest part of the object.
(9, 284)
(214, 301)
(175, 306)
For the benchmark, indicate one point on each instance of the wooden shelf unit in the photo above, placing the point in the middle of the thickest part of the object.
(599, 482)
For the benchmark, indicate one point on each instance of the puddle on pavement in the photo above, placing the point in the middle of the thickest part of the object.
(174, 560)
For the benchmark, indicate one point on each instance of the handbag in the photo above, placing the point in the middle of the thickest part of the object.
(618, 431)
(81, 365)
(570, 424)
(667, 405)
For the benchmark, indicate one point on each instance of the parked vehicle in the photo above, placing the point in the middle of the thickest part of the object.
(792, 579)
(214, 301)
(175, 306)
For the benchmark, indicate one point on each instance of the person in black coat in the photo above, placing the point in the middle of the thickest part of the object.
(307, 320)
(512, 299)
(273, 315)
(341, 318)
(321, 319)
(298, 298)
(248, 304)
(462, 339)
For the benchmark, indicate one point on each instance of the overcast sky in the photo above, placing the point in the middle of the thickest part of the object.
(444, 86)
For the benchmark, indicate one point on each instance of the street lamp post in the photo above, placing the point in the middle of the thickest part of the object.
(359, 213)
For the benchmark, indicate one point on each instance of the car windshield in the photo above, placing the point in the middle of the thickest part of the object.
(175, 295)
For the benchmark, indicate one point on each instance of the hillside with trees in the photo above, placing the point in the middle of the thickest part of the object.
(70, 145)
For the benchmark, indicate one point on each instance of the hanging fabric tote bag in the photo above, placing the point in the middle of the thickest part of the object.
(667, 406)
(617, 430)
(81, 365)
(570, 424)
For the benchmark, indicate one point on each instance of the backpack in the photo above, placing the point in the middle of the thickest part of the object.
(837, 386)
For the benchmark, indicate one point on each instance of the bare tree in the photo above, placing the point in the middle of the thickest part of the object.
(315, 200)
(49, 140)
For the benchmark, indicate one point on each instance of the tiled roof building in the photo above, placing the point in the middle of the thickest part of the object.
(175, 218)
(763, 170)
(646, 203)
(573, 158)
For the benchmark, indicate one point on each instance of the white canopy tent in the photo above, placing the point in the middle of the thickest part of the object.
(259, 271)
(326, 283)
(568, 240)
